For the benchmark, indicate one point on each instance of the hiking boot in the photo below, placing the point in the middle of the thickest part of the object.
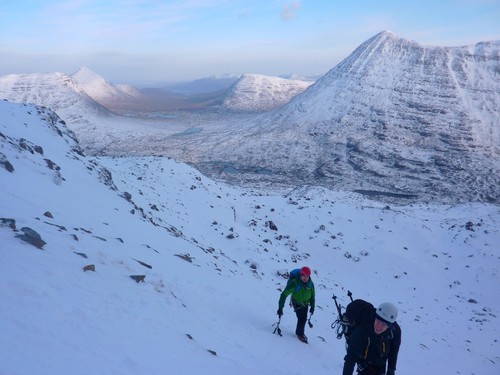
(302, 338)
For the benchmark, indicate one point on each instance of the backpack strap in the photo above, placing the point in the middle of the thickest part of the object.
(309, 284)
(366, 349)
(298, 287)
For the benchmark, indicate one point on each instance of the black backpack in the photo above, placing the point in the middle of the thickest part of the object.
(354, 313)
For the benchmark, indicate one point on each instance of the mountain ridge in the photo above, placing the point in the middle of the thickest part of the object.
(390, 118)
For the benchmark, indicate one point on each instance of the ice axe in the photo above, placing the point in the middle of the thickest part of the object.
(277, 329)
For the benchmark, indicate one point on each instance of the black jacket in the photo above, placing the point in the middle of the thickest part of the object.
(367, 349)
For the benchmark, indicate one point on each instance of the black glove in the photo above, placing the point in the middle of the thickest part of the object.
(280, 312)
(390, 371)
(311, 310)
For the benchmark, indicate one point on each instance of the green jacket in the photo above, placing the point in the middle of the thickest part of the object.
(305, 293)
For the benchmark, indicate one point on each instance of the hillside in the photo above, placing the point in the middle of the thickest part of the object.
(78, 234)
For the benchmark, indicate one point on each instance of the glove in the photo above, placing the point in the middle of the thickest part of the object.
(390, 371)
(311, 310)
(280, 312)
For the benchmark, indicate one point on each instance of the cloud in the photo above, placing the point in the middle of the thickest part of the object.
(289, 10)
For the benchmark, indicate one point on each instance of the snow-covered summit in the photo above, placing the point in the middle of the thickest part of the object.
(255, 92)
(99, 88)
(390, 77)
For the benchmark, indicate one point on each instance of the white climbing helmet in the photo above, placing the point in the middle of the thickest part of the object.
(387, 312)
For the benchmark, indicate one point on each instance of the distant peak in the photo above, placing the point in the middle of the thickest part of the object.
(86, 74)
(224, 76)
(386, 35)
(84, 69)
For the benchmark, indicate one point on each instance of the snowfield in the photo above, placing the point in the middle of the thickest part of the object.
(210, 267)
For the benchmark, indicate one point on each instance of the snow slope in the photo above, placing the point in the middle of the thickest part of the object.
(211, 265)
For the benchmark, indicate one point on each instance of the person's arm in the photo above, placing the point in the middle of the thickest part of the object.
(312, 301)
(357, 344)
(349, 363)
(290, 287)
(392, 359)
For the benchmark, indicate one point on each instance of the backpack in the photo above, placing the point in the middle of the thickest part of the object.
(353, 316)
(295, 274)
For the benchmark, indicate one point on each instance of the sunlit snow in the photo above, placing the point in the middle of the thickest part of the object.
(210, 293)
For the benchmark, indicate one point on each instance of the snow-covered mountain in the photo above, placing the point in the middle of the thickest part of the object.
(92, 122)
(141, 265)
(58, 92)
(126, 99)
(393, 118)
(255, 92)
(250, 93)
(100, 89)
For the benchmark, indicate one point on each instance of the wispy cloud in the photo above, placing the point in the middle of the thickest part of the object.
(289, 10)
(93, 24)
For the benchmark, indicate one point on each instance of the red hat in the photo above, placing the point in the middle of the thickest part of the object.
(305, 271)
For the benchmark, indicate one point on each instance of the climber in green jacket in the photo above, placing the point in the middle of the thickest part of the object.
(301, 287)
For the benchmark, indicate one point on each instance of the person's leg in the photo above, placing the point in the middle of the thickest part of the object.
(369, 370)
(301, 313)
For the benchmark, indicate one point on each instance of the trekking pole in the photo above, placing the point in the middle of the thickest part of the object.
(277, 329)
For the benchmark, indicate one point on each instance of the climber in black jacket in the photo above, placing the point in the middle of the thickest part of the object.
(374, 343)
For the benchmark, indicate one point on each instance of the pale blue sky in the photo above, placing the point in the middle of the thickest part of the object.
(147, 41)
